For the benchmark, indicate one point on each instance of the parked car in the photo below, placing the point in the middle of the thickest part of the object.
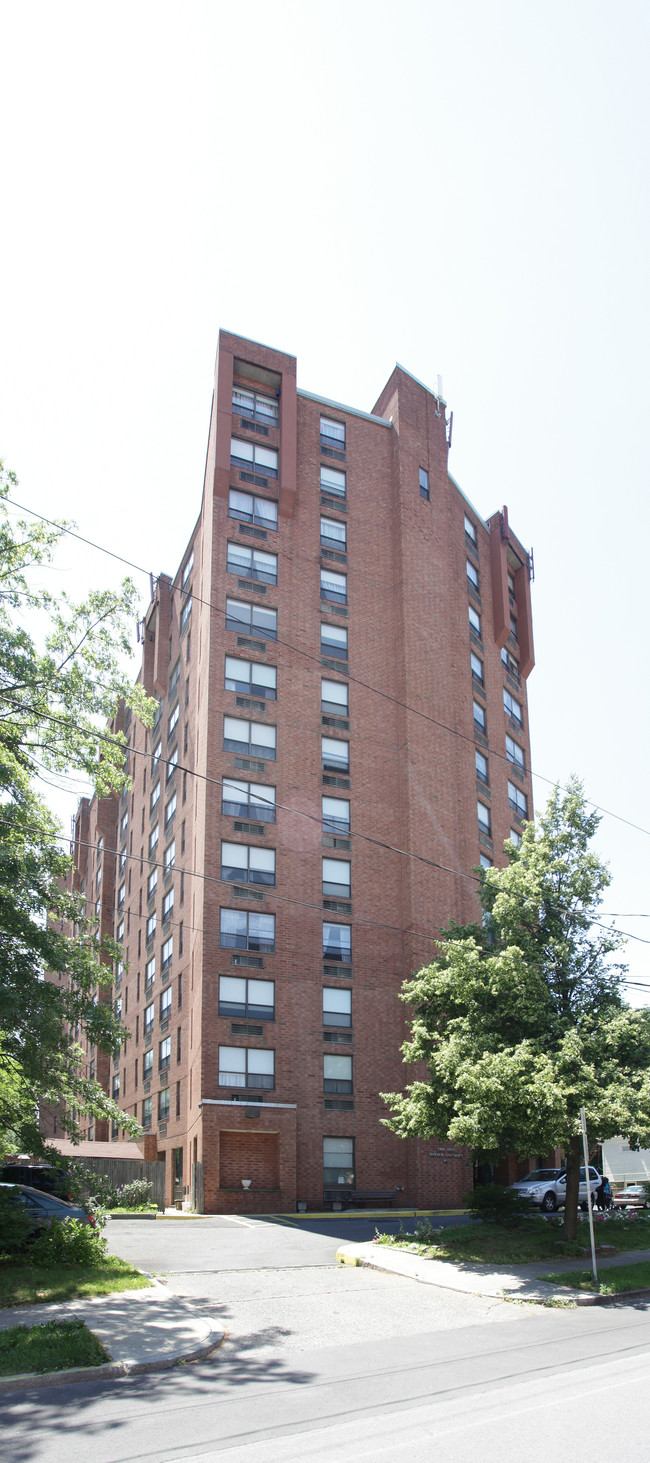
(44, 1176)
(633, 1196)
(546, 1187)
(42, 1207)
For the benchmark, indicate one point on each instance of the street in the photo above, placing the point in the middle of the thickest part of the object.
(321, 1359)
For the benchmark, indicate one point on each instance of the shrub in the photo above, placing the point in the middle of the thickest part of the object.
(93, 1190)
(68, 1242)
(16, 1226)
(494, 1204)
(426, 1233)
(129, 1196)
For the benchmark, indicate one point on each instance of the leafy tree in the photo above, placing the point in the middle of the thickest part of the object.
(61, 685)
(522, 1021)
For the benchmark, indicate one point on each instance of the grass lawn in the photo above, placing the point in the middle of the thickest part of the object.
(534, 1239)
(612, 1282)
(136, 1209)
(49, 1348)
(23, 1285)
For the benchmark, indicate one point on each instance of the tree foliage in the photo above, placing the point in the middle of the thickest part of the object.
(61, 682)
(522, 1021)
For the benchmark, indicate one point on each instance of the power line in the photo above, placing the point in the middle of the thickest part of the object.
(308, 655)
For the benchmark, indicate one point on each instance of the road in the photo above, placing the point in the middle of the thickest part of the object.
(322, 1361)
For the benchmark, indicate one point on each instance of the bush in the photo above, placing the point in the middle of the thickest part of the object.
(68, 1242)
(130, 1196)
(494, 1204)
(426, 1233)
(16, 1226)
(93, 1190)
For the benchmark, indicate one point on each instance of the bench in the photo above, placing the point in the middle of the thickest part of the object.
(360, 1196)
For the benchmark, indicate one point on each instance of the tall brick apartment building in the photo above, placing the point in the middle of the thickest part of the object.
(340, 662)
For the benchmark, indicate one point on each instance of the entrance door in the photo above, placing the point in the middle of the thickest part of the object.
(177, 1175)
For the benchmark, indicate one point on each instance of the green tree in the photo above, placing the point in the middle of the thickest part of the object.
(522, 1021)
(61, 685)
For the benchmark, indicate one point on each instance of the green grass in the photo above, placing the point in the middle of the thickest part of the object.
(534, 1239)
(135, 1209)
(612, 1282)
(23, 1285)
(49, 1348)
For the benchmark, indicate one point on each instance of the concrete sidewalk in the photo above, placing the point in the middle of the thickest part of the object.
(141, 1330)
(514, 1282)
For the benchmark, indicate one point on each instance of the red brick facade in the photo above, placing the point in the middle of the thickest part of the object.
(262, 1108)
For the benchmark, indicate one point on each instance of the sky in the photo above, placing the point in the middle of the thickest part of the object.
(462, 189)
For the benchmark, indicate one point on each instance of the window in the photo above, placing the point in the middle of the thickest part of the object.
(247, 865)
(248, 800)
(151, 927)
(332, 481)
(115, 1087)
(153, 840)
(150, 973)
(334, 697)
(481, 767)
(257, 459)
(163, 1105)
(333, 586)
(147, 1065)
(124, 824)
(119, 933)
(168, 905)
(149, 1014)
(511, 587)
(173, 720)
(336, 877)
(510, 663)
(424, 484)
(185, 615)
(155, 755)
(249, 618)
(169, 856)
(185, 576)
(248, 509)
(172, 764)
(170, 809)
(151, 883)
(164, 1054)
(333, 533)
(336, 815)
(155, 797)
(334, 641)
(252, 563)
(121, 894)
(243, 930)
(470, 531)
(166, 1003)
(477, 669)
(337, 1007)
(472, 575)
(512, 708)
(474, 620)
(253, 404)
(515, 837)
(332, 433)
(239, 997)
(337, 942)
(513, 627)
(515, 753)
(119, 970)
(167, 953)
(251, 678)
(174, 678)
(241, 1066)
(337, 1074)
(335, 755)
(485, 862)
(484, 820)
(518, 800)
(146, 1113)
(338, 1162)
(480, 721)
(252, 738)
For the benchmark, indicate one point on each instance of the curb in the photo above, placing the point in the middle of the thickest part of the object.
(554, 1292)
(24, 1381)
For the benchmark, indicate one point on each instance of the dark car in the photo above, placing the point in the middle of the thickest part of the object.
(43, 1176)
(42, 1207)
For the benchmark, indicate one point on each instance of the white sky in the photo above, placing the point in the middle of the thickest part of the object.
(462, 188)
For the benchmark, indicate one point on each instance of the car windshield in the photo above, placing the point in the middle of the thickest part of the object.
(540, 1176)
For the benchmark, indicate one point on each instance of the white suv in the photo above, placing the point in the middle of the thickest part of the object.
(547, 1187)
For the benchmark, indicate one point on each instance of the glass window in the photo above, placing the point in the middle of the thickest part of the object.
(332, 481)
(153, 840)
(337, 942)
(155, 794)
(424, 484)
(470, 530)
(338, 1162)
(121, 894)
(334, 586)
(252, 738)
(147, 1064)
(256, 619)
(168, 905)
(251, 455)
(247, 865)
(164, 1053)
(173, 679)
(513, 627)
(173, 720)
(334, 641)
(486, 863)
(510, 663)
(477, 669)
(166, 1003)
(336, 815)
(515, 753)
(169, 857)
(170, 809)
(244, 930)
(151, 883)
(472, 575)
(167, 953)
(253, 404)
(336, 877)
(337, 1074)
(335, 755)
(333, 432)
(250, 509)
(241, 1066)
(512, 708)
(334, 696)
(515, 837)
(333, 532)
(481, 767)
(163, 1105)
(151, 926)
(480, 721)
(146, 1112)
(156, 754)
(185, 614)
(185, 576)
(149, 1012)
(251, 678)
(474, 620)
(172, 763)
(240, 997)
(517, 800)
(484, 820)
(248, 800)
(337, 1007)
(252, 564)
(150, 973)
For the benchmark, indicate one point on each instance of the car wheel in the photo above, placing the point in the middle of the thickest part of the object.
(549, 1203)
